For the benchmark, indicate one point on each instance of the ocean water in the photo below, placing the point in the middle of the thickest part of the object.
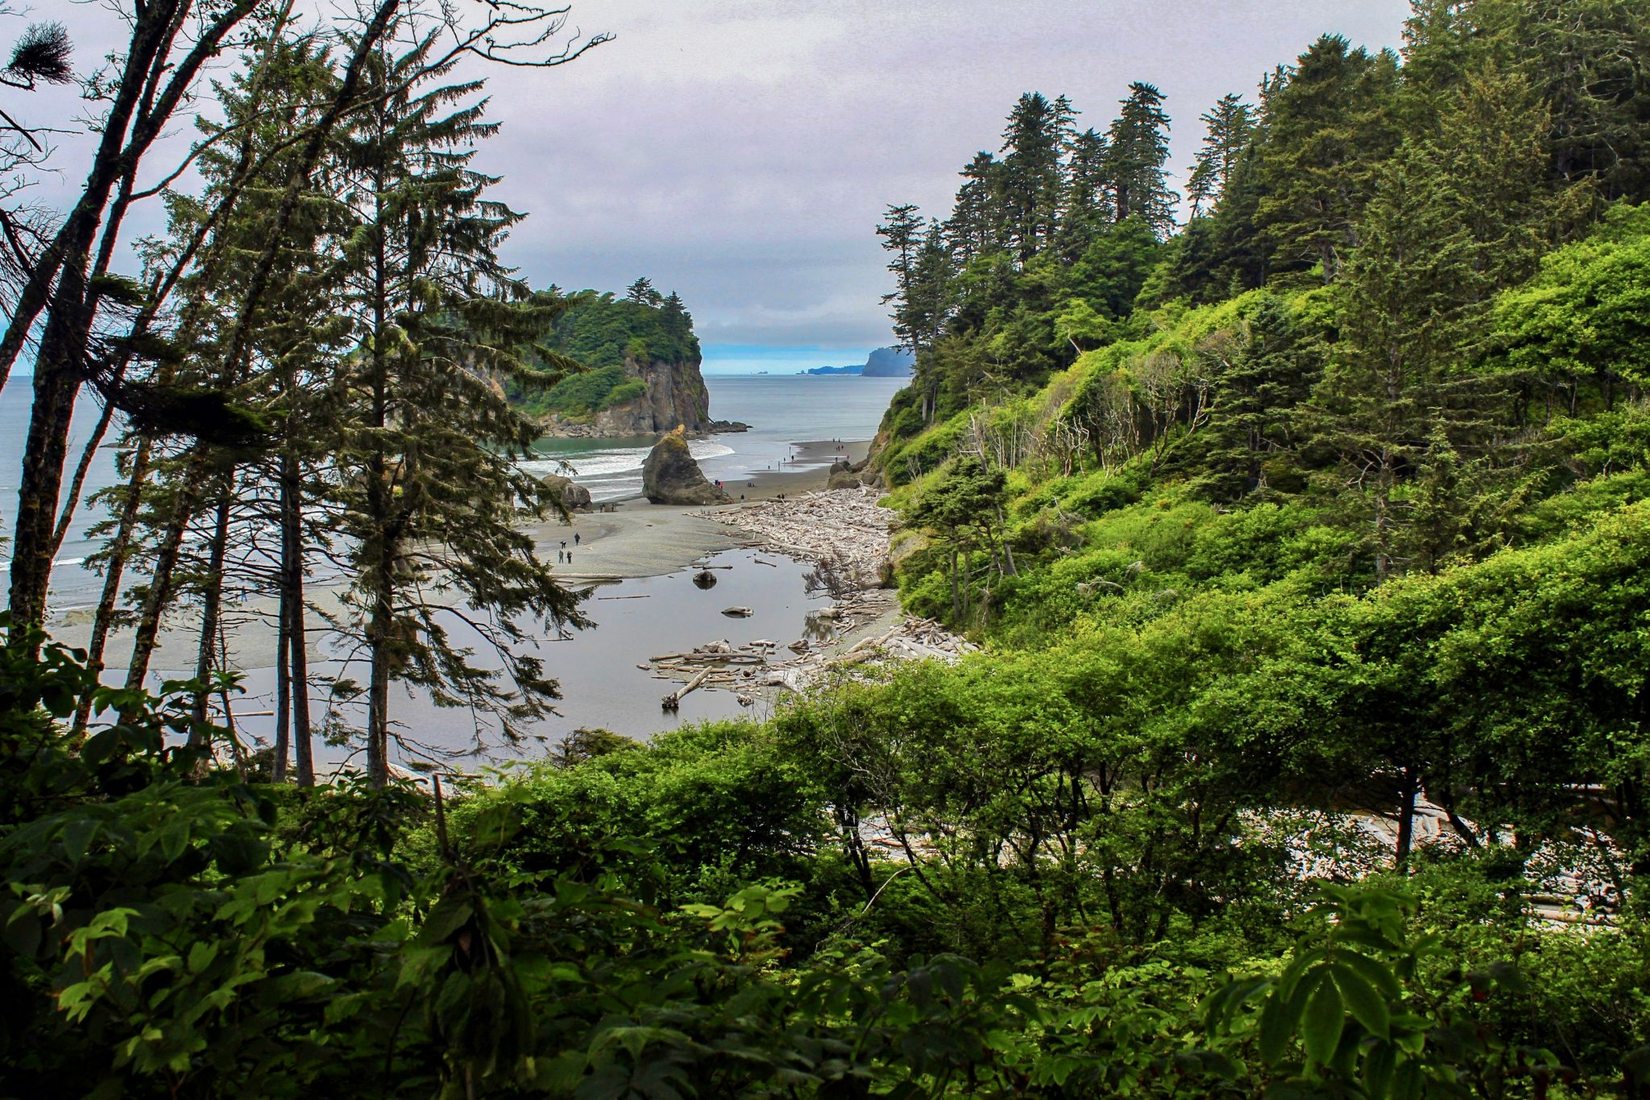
(635, 619)
(72, 584)
(782, 410)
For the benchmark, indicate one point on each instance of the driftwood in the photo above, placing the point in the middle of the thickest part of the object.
(674, 699)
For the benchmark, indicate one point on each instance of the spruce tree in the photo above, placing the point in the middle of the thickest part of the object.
(1328, 126)
(1137, 150)
(1034, 142)
(433, 499)
(1229, 130)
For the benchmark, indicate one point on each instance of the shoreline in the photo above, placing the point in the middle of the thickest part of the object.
(638, 539)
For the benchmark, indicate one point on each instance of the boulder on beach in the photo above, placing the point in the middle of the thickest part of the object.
(671, 476)
(573, 495)
(842, 477)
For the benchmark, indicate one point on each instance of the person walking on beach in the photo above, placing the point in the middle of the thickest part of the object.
(575, 538)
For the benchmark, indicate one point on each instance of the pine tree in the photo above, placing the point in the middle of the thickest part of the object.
(1229, 131)
(1137, 150)
(902, 231)
(1328, 124)
(432, 496)
(1034, 142)
(1087, 208)
(977, 219)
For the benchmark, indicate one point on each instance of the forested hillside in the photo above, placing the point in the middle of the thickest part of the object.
(600, 334)
(1304, 520)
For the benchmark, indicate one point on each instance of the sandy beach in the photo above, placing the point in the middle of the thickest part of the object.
(637, 539)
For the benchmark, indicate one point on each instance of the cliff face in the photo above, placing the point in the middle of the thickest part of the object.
(674, 397)
(889, 363)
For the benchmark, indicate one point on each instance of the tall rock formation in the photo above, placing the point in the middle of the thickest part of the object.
(889, 363)
(672, 476)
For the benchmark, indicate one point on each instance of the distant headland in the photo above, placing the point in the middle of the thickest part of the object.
(881, 363)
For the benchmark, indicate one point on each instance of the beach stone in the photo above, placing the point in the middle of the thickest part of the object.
(671, 476)
(573, 495)
(843, 478)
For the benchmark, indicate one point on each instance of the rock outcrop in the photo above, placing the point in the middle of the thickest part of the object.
(674, 397)
(889, 363)
(573, 495)
(671, 476)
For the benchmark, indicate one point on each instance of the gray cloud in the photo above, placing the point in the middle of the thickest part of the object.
(742, 151)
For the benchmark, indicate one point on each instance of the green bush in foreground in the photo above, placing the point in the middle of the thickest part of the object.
(173, 930)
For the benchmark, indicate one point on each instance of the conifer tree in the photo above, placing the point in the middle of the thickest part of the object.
(1137, 150)
(432, 496)
(1087, 208)
(902, 235)
(1034, 142)
(1229, 131)
(1328, 125)
(976, 223)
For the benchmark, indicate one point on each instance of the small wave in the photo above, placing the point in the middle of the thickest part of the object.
(704, 448)
(5, 566)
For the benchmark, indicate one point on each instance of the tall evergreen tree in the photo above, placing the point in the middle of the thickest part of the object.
(1328, 125)
(1137, 150)
(902, 232)
(1034, 142)
(432, 495)
(1087, 208)
(977, 219)
(1229, 130)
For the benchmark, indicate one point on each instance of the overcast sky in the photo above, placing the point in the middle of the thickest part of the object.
(741, 152)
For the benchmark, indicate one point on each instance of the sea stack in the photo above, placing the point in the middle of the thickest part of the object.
(671, 476)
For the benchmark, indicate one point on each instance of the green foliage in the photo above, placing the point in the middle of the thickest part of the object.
(599, 331)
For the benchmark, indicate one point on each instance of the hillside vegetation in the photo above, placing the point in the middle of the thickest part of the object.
(600, 334)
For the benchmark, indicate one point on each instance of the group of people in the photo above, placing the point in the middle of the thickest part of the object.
(564, 555)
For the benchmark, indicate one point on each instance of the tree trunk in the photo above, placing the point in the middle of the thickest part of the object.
(1409, 788)
(292, 605)
(283, 694)
(160, 585)
(211, 608)
(114, 568)
(57, 373)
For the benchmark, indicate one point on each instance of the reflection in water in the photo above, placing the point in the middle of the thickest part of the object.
(601, 685)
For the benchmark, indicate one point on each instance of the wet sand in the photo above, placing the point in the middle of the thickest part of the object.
(638, 539)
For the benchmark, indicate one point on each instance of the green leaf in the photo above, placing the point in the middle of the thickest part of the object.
(1279, 1017)
(448, 916)
(1367, 1006)
(1325, 1018)
(1378, 1070)
(1373, 972)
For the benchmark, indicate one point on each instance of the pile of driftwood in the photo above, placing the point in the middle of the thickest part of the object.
(844, 534)
(842, 525)
(747, 669)
(715, 664)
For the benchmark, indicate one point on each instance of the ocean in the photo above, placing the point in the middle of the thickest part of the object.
(782, 409)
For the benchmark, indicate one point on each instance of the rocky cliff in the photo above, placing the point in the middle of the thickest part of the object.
(889, 363)
(652, 399)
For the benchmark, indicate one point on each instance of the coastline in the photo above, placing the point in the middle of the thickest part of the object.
(637, 539)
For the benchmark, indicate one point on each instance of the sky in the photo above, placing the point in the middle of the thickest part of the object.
(742, 152)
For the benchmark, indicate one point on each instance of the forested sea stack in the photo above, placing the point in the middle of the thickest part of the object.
(633, 366)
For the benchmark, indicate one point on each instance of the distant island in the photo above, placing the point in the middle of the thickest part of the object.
(881, 363)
